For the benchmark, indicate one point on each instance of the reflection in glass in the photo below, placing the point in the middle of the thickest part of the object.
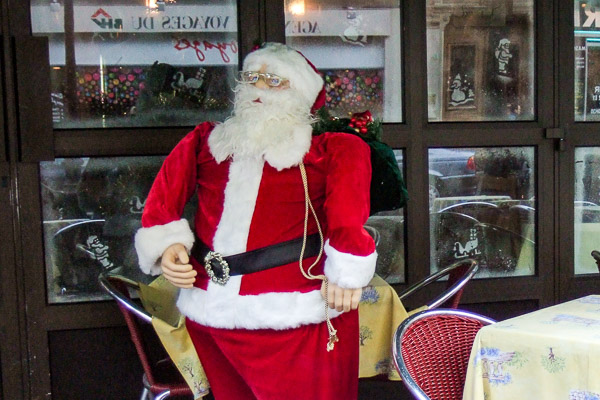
(389, 226)
(587, 60)
(357, 50)
(482, 206)
(480, 60)
(92, 208)
(125, 64)
(587, 209)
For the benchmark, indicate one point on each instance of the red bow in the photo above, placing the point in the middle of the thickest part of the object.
(359, 121)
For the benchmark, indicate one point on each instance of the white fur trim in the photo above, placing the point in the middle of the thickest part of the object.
(286, 62)
(264, 311)
(287, 152)
(347, 270)
(151, 242)
(290, 152)
(241, 191)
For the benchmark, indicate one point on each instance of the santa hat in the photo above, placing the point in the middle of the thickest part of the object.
(290, 64)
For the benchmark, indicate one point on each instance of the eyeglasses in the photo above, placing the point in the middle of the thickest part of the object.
(253, 77)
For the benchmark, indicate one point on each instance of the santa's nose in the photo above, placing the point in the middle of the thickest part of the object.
(261, 84)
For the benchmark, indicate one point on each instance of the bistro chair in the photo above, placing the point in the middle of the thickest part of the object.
(596, 256)
(161, 379)
(483, 211)
(458, 273)
(431, 351)
(374, 233)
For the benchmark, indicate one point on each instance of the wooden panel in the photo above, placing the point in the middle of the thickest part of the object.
(94, 363)
(11, 385)
(36, 141)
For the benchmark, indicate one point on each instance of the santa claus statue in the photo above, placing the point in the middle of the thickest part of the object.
(272, 273)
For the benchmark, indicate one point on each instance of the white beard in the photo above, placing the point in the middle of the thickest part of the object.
(277, 128)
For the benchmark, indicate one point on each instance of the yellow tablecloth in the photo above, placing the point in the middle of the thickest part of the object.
(380, 312)
(159, 300)
(552, 353)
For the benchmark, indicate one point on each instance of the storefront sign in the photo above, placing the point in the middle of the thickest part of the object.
(353, 24)
(585, 18)
(105, 18)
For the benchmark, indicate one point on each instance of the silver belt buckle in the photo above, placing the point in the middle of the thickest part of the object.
(213, 255)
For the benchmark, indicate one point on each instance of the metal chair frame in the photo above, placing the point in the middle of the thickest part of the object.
(447, 365)
(456, 284)
(153, 389)
(468, 204)
(596, 255)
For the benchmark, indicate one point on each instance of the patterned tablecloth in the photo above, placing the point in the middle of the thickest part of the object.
(380, 312)
(552, 353)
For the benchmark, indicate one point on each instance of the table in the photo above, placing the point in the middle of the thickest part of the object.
(552, 353)
(380, 312)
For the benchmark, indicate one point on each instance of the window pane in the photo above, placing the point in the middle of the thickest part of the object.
(127, 64)
(389, 226)
(480, 60)
(356, 47)
(587, 60)
(482, 206)
(587, 209)
(91, 209)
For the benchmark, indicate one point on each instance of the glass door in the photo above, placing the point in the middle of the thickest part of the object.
(462, 89)
(12, 367)
(580, 198)
(126, 80)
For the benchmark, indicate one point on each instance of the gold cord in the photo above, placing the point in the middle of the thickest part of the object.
(307, 274)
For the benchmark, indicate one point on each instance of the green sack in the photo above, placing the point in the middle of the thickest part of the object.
(388, 191)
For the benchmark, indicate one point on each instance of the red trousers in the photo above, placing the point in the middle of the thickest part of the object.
(287, 364)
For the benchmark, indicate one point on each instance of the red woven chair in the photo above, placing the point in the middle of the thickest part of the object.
(431, 351)
(459, 274)
(161, 379)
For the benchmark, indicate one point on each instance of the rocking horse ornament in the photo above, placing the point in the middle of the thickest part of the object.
(273, 272)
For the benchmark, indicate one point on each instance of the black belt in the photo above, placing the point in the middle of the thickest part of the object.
(219, 268)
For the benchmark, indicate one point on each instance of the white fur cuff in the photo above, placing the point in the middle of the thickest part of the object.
(151, 242)
(347, 270)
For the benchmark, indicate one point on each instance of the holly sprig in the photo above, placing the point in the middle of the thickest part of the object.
(360, 124)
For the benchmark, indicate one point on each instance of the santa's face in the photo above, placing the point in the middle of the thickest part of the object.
(263, 116)
(269, 100)
(262, 82)
(270, 116)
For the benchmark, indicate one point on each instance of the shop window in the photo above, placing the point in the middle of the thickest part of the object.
(587, 60)
(136, 64)
(356, 47)
(482, 206)
(586, 209)
(91, 209)
(480, 60)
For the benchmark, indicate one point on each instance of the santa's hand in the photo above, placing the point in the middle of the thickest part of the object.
(340, 298)
(176, 267)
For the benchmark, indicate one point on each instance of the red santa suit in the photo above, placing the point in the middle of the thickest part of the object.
(263, 335)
